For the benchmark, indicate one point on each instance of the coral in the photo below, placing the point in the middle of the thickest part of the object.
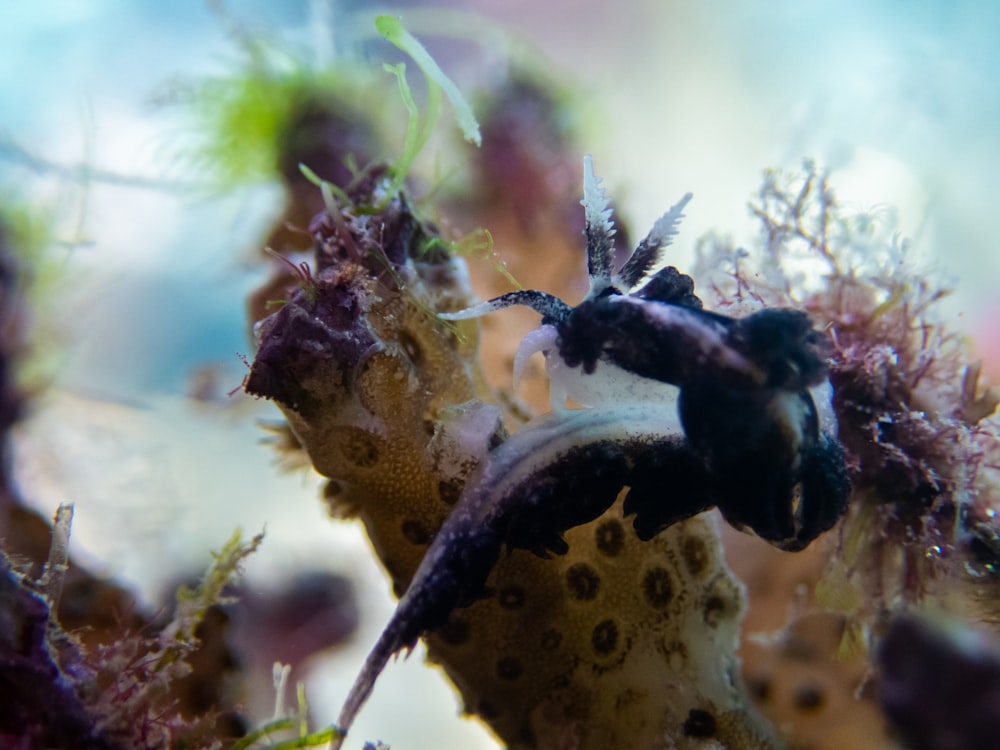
(386, 399)
(364, 371)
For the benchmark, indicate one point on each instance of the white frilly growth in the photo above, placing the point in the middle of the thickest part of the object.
(476, 311)
(545, 304)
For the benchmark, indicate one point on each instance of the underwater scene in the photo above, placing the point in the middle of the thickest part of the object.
(549, 376)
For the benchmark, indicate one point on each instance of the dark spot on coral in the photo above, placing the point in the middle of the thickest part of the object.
(699, 723)
(509, 669)
(582, 581)
(526, 736)
(332, 489)
(715, 608)
(450, 337)
(808, 698)
(675, 651)
(658, 587)
(800, 648)
(604, 637)
(450, 491)
(487, 709)
(551, 639)
(511, 597)
(359, 448)
(412, 348)
(695, 554)
(455, 632)
(610, 538)
(760, 688)
(415, 532)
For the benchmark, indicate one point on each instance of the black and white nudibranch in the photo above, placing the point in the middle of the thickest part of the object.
(685, 408)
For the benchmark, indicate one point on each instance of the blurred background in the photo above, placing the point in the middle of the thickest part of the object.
(141, 335)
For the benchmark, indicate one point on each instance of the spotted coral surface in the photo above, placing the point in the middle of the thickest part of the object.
(619, 643)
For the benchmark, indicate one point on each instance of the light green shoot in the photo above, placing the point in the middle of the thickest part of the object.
(416, 136)
(501, 266)
(391, 28)
(321, 737)
(478, 244)
(252, 738)
(299, 721)
(300, 694)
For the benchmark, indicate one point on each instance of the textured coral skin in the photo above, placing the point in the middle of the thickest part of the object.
(618, 643)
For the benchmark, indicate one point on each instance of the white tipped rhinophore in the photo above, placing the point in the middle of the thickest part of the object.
(547, 305)
(648, 256)
(597, 211)
(600, 230)
(665, 227)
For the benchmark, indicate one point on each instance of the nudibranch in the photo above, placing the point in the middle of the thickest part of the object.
(684, 408)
